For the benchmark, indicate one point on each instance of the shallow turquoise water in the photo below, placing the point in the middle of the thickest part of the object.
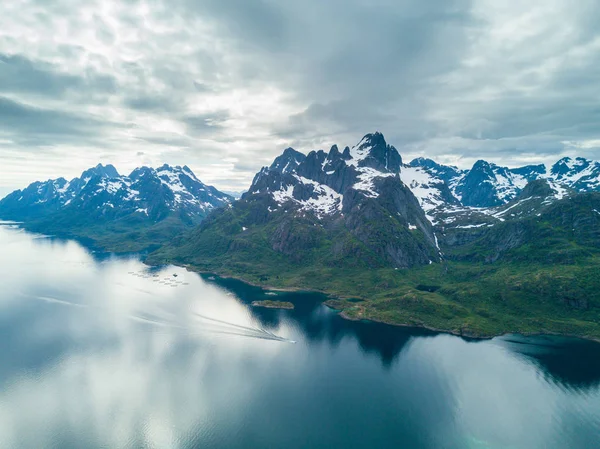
(100, 351)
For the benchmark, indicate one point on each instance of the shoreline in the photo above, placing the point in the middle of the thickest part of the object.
(86, 243)
(270, 304)
(458, 334)
(341, 313)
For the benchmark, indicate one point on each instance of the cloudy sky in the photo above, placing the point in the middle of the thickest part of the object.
(224, 85)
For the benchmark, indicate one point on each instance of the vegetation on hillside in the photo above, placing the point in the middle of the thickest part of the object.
(535, 275)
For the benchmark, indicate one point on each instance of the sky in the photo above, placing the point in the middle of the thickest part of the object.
(225, 85)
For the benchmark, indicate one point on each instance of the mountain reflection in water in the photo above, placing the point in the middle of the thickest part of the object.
(98, 354)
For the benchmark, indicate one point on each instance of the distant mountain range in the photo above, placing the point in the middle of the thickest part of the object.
(475, 252)
(144, 208)
(488, 185)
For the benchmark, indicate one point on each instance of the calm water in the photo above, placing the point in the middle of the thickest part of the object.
(98, 352)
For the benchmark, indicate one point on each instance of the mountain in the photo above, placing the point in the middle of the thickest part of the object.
(345, 208)
(363, 206)
(488, 185)
(475, 252)
(430, 183)
(135, 210)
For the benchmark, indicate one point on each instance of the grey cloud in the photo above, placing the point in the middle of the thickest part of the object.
(254, 22)
(355, 63)
(445, 78)
(152, 103)
(199, 123)
(34, 126)
(202, 87)
(181, 142)
(19, 74)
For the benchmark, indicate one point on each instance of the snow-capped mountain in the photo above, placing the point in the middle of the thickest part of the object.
(320, 182)
(341, 189)
(357, 193)
(324, 183)
(489, 185)
(147, 193)
(317, 182)
(430, 184)
(362, 202)
(579, 174)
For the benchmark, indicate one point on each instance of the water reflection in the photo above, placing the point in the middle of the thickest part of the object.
(319, 324)
(103, 352)
(572, 363)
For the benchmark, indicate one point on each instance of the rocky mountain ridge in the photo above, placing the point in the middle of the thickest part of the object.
(488, 185)
(365, 205)
(103, 205)
(101, 190)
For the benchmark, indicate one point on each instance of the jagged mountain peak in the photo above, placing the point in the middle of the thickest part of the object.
(530, 171)
(288, 161)
(423, 162)
(483, 165)
(485, 184)
(372, 139)
(141, 171)
(488, 185)
(448, 174)
(103, 171)
(567, 165)
(374, 152)
(154, 193)
(355, 193)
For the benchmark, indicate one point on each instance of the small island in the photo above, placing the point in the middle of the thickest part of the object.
(273, 304)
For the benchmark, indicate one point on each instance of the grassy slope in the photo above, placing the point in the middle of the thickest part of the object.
(118, 236)
(461, 298)
(533, 294)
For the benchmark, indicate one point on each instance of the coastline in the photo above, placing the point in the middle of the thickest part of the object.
(330, 296)
(270, 304)
(459, 334)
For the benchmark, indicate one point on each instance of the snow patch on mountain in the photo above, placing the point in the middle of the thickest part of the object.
(423, 185)
(323, 200)
(360, 151)
(367, 179)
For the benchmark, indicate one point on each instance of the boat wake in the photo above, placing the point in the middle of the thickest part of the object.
(206, 324)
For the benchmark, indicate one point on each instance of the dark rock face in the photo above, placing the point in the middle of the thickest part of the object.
(530, 172)
(478, 187)
(288, 161)
(445, 173)
(378, 154)
(383, 224)
(539, 188)
(369, 213)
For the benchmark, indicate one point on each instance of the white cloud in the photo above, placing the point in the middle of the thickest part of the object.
(224, 86)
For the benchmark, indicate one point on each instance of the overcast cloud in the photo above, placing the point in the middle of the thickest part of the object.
(224, 85)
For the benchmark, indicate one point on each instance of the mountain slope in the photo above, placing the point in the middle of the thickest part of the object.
(349, 208)
(120, 212)
(393, 242)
